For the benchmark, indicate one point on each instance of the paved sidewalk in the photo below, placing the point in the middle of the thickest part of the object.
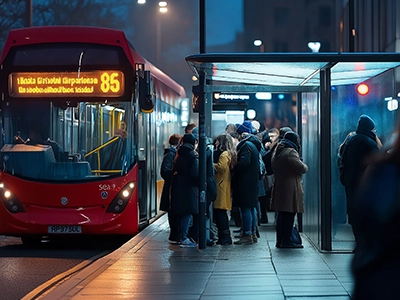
(148, 267)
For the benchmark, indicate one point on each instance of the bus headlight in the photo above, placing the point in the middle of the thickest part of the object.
(11, 202)
(121, 199)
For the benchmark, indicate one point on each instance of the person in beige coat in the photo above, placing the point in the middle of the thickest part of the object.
(287, 191)
(224, 161)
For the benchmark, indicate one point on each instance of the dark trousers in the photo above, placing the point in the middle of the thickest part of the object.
(264, 202)
(221, 219)
(284, 227)
(174, 227)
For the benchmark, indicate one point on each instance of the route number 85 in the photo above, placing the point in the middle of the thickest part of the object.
(109, 82)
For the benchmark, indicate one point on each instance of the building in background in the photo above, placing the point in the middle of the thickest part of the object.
(288, 26)
(376, 25)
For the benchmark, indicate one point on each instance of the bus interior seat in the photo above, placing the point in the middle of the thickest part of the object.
(31, 161)
(38, 161)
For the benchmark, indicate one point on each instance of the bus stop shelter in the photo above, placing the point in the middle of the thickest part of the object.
(328, 105)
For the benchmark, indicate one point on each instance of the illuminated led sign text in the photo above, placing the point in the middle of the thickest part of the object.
(103, 83)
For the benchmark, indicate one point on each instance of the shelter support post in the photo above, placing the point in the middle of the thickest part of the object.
(199, 91)
(325, 125)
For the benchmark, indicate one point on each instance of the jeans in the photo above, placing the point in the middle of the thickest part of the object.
(247, 219)
(254, 223)
(185, 224)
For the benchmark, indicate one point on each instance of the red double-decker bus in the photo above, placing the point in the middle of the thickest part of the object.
(84, 119)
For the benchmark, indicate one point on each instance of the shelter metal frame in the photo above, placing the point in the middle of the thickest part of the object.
(283, 72)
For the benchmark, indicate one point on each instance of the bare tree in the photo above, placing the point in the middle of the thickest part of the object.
(104, 13)
(13, 15)
(112, 14)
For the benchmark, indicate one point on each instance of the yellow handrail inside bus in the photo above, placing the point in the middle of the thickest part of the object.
(113, 140)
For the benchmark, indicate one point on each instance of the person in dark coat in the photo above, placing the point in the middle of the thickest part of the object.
(376, 223)
(287, 191)
(166, 172)
(245, 180)
(359, 146)
(185, 186)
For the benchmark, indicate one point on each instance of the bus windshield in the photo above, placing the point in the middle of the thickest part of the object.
(44, 141)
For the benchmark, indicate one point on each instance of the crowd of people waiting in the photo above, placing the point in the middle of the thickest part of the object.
(251, 172)
(243, 168)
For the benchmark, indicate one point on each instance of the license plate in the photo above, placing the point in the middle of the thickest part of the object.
(68, 229)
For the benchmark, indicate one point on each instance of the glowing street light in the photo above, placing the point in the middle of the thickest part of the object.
(259, 43)
(162, 6)
(314, 46)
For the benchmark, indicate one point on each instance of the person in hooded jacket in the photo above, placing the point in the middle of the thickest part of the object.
(376, 223)
(166, 172)
(245, 181)
(287, 191)
(359, 147)
(185, 186)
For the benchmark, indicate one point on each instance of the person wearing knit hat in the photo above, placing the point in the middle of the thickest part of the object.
(195, 132)
(287, 194)
(353, 161)
(189, 138)
(245, 127)
(185, 188)
(282, 132)
(256, 125)
(166, 172)
(246, 174)
(365, 123)
(294, 138)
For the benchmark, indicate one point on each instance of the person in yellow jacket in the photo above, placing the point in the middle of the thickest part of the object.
(224, 161)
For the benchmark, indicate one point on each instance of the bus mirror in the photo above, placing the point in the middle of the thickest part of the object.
(146, 93)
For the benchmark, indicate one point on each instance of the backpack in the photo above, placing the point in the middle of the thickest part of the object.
(341, 155)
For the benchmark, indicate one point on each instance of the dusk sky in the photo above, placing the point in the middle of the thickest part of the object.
(225, 17)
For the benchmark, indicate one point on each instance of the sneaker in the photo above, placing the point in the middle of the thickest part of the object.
(174, 242)
(188, 244)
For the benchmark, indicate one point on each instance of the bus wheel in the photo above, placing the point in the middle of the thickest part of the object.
(31, 240)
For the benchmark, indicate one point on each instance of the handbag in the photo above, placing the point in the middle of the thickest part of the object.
(296, 238)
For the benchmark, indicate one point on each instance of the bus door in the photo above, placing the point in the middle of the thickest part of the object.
(146, 163)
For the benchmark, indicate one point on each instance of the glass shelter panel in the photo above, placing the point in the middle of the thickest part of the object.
(347, 105)
(311, 156)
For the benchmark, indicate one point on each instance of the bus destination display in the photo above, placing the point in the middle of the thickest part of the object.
(104, 83)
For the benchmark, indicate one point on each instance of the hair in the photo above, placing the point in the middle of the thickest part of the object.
(174, 139)
(273, 130)
(234, 135)
(230, 128)
(226, 144)
(189, 127)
